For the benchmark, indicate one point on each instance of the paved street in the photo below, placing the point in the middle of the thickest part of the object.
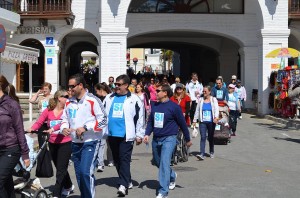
(263, 160)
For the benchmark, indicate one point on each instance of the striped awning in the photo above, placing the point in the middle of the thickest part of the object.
(14, 53)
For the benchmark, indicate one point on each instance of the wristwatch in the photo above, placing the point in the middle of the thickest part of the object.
(85, 128)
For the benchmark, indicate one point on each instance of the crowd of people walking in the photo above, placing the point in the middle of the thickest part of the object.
(122, 112)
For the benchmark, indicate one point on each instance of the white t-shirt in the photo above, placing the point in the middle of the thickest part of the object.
(231, 102)
(193, 87)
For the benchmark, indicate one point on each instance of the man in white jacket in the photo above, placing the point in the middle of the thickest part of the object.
(83, 118)
(126, 124)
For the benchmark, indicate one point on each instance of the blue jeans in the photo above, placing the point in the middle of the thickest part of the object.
(162, 149)
(83, 157)
(208, 127)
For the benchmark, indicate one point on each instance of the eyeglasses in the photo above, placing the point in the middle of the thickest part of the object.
(65, 96)
(219, 83)
(118, 84)
(111, 81)
(178, 88)
(158, 90)
(204, 92)
(72, 86)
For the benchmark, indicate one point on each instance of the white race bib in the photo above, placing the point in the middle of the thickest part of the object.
(219, 94)
(159, 120)
(44, 105)
(218, 127)
(117, 110)
(206, 116)
(54, 122)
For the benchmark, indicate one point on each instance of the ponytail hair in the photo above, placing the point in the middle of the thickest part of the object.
(54, 101)
(7, 88)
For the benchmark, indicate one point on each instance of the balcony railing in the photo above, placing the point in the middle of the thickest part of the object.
(294, 9)
(6, 5)
(43, 8)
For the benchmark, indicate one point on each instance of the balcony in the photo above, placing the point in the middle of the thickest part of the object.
(43, 9)
(294, 9)
(7, 5)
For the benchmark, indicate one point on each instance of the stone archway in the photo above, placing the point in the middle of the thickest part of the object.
(38, 70)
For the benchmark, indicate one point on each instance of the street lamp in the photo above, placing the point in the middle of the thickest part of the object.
(135, 60)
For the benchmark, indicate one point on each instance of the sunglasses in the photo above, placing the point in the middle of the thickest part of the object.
(118, 84)
(111, 81)
(158, 90)
(65, 96)
(72, 86)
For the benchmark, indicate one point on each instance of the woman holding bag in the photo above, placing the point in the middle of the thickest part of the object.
(59, 145)
(207, 112)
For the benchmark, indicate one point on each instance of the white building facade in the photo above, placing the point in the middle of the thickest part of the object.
(225, 43)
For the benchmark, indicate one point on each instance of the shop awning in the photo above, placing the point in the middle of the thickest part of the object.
(16, 54)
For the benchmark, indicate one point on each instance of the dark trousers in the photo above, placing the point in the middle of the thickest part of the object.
(9, 158)
(209, 128)
(233, 115)
(121, 151)
(61, 153)
(193, 109)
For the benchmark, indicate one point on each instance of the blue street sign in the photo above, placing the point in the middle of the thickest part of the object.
(49, 41)
(49, 61)
(2, 38)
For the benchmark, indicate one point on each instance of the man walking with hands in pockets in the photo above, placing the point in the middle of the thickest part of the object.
(165, 120)
(83, 118)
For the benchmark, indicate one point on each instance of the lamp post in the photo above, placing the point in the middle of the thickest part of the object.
(135, 60)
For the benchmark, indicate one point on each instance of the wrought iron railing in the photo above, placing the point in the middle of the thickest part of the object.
(43, 6)
(294, 8)
(6, 5)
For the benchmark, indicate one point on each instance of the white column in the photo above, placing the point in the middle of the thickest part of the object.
(112, 51)
(270, 39)
(30, 91)
(249, 71)
(51, 74)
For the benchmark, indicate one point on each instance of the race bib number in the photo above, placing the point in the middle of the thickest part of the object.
(117, 110)
(72, 113)
(218, 127)
(44, 105)
(54, 122)
(159, 120)
(219, 94)
(206, 116)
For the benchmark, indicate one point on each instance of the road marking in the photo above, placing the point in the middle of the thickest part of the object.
(286, 135)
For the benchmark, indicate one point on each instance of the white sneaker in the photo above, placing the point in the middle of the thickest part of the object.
(111, 164)
(100, 168)
(240, 117)
(161, 196)
(67, 192)
(130, 186)
(200, 157)
(172, 185)
(212, 155)
(122, 191)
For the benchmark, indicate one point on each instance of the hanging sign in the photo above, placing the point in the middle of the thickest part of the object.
(2, 38)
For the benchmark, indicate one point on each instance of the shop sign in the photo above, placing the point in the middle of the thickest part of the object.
(50, 51)
(19, 56)
(35, 30)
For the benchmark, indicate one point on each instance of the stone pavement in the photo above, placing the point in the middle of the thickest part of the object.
(261, 162)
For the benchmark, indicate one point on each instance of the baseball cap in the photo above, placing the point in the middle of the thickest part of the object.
(233, 77)
(238, 81)
(220, 77)
(231, 85)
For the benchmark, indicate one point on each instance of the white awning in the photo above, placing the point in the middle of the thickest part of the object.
(16, 54)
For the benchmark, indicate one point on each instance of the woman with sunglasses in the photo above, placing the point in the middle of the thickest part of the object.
(59, 145)
(183, 100)
(207, 113)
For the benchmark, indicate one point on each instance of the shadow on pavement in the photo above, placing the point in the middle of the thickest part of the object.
(151, 184)
(272, 126)
(109, 181)
(288, 139)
